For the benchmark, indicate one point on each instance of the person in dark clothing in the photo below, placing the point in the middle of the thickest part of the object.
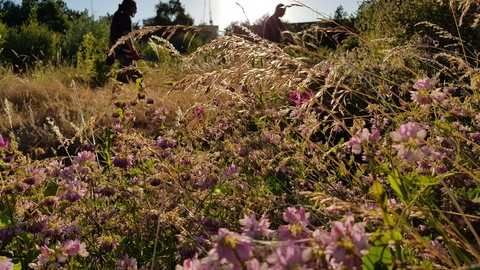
(125, 53)
(274, 26)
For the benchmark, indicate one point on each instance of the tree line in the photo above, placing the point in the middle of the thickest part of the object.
(40, 31)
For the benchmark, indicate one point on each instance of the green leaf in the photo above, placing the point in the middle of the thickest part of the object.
(399, 188)
(379, 256)
(425, 180)
(169, 83)
(4, 219)
(17, 266)
(51, 189)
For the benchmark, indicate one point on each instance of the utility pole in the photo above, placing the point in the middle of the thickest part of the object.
(91, 8)
(210, 9)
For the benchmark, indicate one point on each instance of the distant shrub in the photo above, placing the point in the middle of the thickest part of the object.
(91, 59)
(85, 24)
(399, 19)
(29, 44)
(3, 36)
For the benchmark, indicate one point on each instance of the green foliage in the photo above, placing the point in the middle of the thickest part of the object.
(399, 19)
(100, 29)
(91, 59)
(31, 43)
(380, 256)
(171, 13)
(53, 13)
(3, 36)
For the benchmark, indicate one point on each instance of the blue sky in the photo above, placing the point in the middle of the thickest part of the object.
(223, 11)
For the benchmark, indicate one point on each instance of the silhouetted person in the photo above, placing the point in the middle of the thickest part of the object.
(274, 26)
(125, 53)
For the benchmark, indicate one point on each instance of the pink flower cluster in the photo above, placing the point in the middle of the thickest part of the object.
(362, 138)
(3, 143)
(426, 93)
(259, 247)
(6, 263)
(300, 98)
(53, 258)
(410, 137)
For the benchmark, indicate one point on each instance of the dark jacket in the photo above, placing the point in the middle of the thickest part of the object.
(273, 28)
(121, 23)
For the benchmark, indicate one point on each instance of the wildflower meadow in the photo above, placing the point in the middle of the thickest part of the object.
(246, 154)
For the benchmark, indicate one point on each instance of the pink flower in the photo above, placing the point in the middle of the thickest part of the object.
(84, 157)
(362, 138)
(286, 257)
(198, 112)
(411, 139)
(301, 98)
(291, 215)
(254, 229)
(423, 84)
(298, 222)
(232, 247)
(191, 264)
(346, 244)
(127, 263)
(122, 162)
(3, 144)
(426, 93)
(6, 263)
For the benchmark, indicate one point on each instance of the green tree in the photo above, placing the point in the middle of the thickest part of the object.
(171, 13)
(99, 28)
(53, 13)
(30, 43)
(12, 14)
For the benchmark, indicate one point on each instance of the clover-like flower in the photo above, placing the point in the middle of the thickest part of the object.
(426, 93)
(127, 263)
(6, 263)
(83, 158)
(410, 137)
(122, 161)
(346, 244)
(363, 137)
(3, 143)
(256, 229)
(232, 247)
(297, 227)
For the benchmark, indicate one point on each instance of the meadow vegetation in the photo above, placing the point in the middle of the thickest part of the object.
(244, 154)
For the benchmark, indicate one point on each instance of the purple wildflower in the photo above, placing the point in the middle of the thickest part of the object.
(108, 243)
(362, 138)
(426, 92)
(6, 263)
(301, 98)
(198, 112)
(256, 229)
(346, 244)
(127, 263)
(3, 143)
(150, 101)
(165, 142)
(232, 247)
(8, 233)
(410, 137)
(231, 170)
(83, 158)
(122, 162)
(286, 257)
